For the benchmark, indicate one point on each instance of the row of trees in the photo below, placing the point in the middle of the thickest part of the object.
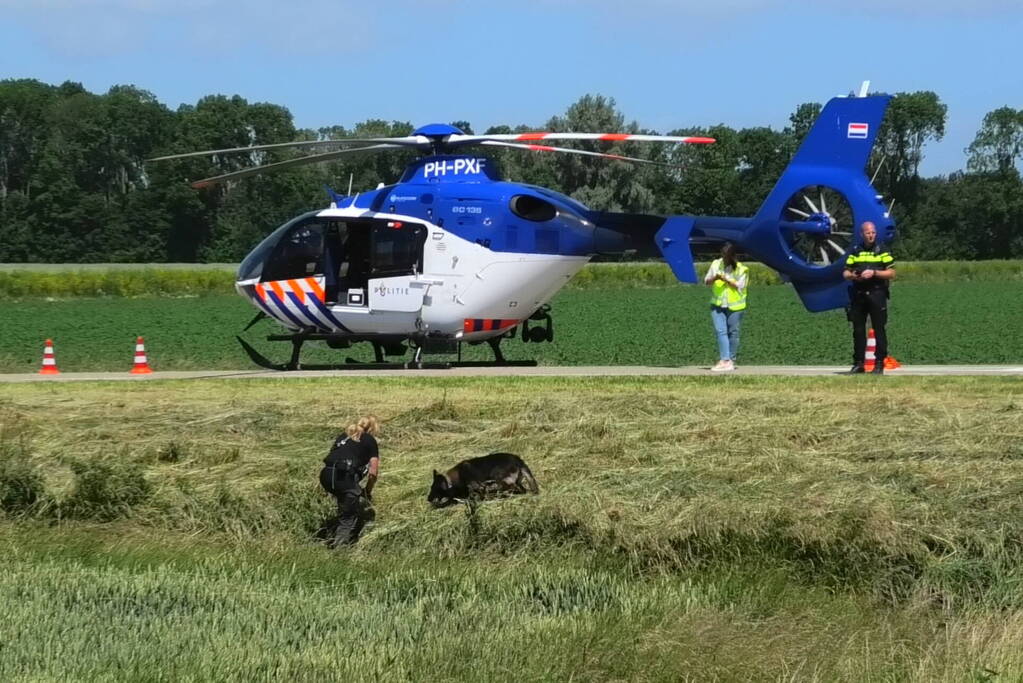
(75, 186)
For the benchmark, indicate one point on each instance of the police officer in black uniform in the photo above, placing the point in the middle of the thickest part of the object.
(870, 270)
(354, 456)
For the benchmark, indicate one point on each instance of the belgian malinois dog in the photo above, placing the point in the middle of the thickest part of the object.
(477, 477)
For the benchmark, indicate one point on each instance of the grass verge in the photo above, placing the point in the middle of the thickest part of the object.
(702, 528)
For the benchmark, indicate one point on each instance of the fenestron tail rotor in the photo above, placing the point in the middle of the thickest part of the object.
(822, 237)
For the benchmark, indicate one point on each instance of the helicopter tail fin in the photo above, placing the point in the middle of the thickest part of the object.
(673, 240)
(831, 160)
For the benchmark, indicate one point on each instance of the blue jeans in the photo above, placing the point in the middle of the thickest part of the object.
(726, 325)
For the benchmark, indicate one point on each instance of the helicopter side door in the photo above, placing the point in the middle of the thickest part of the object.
(396, 259)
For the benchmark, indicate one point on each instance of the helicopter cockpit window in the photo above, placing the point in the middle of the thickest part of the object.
(299, 254)
(252, 265)
(397, 248)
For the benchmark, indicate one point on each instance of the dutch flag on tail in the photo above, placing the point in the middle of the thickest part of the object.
(858, 131)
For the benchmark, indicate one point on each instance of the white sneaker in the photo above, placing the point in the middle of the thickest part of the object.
(722, 366)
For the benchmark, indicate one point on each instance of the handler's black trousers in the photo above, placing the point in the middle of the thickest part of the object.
(873, 303)
(342, 482)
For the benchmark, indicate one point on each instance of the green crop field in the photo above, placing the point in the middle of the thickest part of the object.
(704, 529)
(951, 322)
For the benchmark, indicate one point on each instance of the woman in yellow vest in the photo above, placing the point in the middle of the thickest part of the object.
(728, 279)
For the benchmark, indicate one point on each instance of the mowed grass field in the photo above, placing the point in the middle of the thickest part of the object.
(931, 323)
(725, 528)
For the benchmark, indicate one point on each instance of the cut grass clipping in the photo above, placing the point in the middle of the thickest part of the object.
(721, 528)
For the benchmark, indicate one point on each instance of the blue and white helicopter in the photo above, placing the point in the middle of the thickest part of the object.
(453, 253)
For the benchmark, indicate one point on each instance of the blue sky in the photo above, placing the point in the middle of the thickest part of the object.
(667, 63)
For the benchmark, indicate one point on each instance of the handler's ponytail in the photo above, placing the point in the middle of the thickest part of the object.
(366, 425)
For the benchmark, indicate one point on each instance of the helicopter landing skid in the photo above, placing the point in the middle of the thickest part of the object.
(417, 363)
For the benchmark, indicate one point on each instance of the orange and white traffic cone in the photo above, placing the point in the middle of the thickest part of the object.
(49, 362)
(870, 358)
(141, 366)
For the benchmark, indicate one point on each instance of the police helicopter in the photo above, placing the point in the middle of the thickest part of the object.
(452, 253)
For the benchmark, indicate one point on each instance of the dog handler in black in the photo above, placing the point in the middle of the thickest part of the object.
(354, 456)
(869, 270)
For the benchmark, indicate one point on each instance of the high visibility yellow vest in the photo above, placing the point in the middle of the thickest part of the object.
(724, 296)
(873, 258)
(865, 258)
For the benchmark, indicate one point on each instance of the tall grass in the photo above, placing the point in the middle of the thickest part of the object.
(21, 484)
(148, 281)
(62, 267)
(655, 274)
(248, 614)
(704, 529)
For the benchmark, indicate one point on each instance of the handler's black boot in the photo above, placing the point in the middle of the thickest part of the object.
(856, 369)
(878, 367)
(347, 532)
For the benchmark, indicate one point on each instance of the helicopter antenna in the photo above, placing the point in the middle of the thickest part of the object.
(350, 176)
(890, 207)
(878, 169)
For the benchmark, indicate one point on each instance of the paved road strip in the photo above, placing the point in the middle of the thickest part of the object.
(541, 371)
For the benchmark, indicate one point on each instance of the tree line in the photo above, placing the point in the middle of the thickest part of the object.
(75, 185)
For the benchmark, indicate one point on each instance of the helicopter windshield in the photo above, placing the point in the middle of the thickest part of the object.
(298, 254)
(253, 264)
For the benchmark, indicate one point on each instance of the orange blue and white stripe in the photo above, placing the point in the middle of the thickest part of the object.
(299, 303)
(487, 324)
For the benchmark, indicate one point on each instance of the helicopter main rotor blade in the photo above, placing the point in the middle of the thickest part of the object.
(415, 141)
(281, 165)
(460, 140)
(565, 150)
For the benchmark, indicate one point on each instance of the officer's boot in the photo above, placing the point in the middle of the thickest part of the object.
(856, 369)
(346, 532)
(878, 367)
